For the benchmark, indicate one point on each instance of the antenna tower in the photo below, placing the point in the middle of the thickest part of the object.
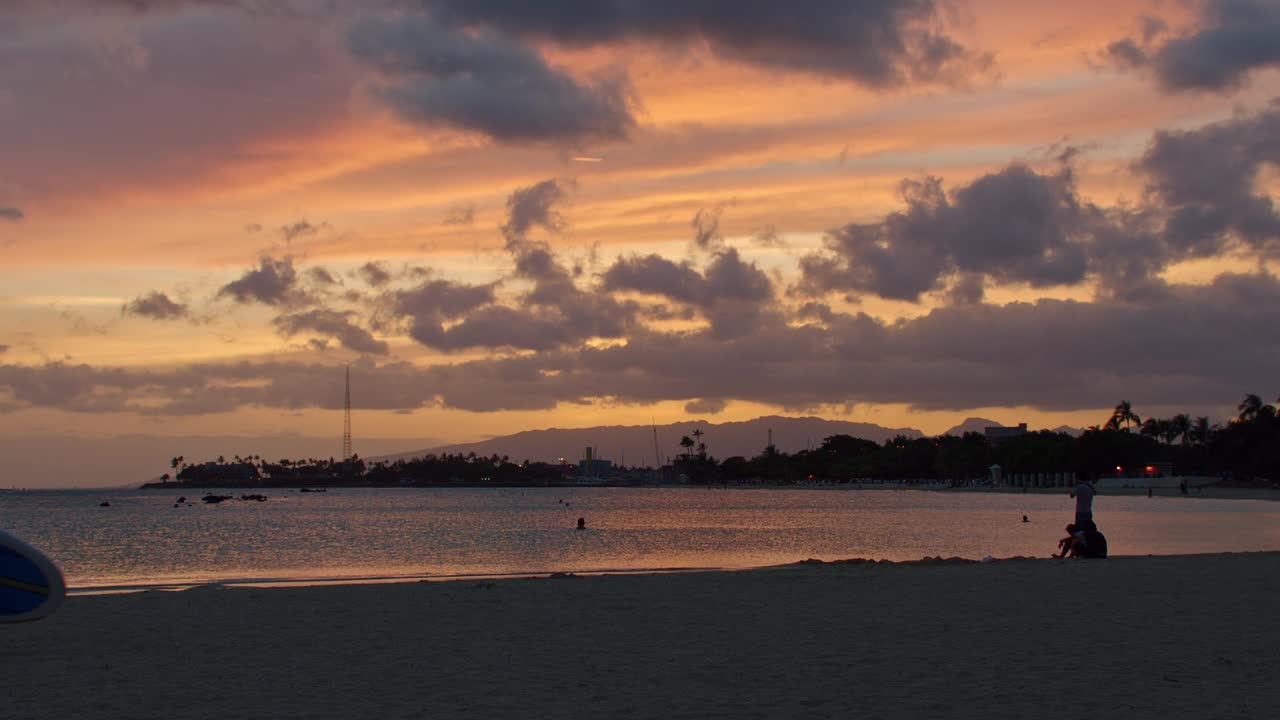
(346, 420)
(657, 455)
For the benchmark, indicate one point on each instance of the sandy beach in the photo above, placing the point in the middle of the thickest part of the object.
(1129, 637)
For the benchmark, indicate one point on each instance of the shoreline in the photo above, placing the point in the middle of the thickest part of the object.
(839, 639)
(271, 583)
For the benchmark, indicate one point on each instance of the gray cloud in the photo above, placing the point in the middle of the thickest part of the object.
(374, 274)
(656, 275)
(731, 294)
(534, 206)
(157, 306)
(1205, 179)
(877, 44)
(1230, 40)
(274, 282)
(705, 407)
(487, 82)
(12, 214)
(1022, 226)
(443, 298)
(333, 324)
(1015, 225)
(460, 215)
(302, 228)
(554, 312)
(949, 359)
(428, 306)
(706, 228)
(322, 276)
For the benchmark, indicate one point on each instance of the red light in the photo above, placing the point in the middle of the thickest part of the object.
(1151, 468)
(1118, 468)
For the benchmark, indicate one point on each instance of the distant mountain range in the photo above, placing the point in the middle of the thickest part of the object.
(978, 425)
(634, 444)
(972, 424)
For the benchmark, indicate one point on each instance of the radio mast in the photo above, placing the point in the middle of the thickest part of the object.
(657, 454)
(346, 419)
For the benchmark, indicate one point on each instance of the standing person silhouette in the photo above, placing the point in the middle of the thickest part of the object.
(1083, 493)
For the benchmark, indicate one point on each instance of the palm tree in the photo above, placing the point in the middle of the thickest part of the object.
(1179, 427)
(1123, 414)
(697, 434)
(1250, 408)
(1153, 428)
(687, 443)
(1201, 428)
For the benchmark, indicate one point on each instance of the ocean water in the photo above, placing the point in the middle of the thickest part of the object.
(142, 541)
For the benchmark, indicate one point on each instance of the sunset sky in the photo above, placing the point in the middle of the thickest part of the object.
(517, 215)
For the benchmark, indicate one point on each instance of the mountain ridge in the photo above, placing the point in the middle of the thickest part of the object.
(746, 438)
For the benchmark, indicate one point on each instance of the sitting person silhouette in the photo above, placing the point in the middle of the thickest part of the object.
(1073, 543)
(1083, 541)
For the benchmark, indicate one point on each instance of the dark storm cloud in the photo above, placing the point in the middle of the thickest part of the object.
(487, 82)
(1206, 180)
(1015, 225)
(274, 282)
(12, 214)
(877, 43)
(334, 324)
(1230, 40)
(1168, 346)
(157, 306)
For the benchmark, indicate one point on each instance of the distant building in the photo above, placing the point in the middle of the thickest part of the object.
(592, 467)
(1157, 469)
(998, 434)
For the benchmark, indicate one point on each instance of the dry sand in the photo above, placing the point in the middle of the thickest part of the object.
(1141, 637)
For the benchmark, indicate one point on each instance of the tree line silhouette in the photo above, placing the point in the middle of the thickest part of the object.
(1246, 450)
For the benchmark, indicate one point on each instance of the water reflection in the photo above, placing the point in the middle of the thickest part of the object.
(425, 533)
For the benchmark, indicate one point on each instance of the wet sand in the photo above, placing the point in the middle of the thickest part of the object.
(1207, 492)
(1138, 637)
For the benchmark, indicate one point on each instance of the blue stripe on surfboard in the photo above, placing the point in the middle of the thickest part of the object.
(18, 567)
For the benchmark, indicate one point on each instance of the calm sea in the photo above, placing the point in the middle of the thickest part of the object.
(141, 540)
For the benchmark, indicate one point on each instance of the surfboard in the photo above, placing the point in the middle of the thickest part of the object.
(31, 586)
